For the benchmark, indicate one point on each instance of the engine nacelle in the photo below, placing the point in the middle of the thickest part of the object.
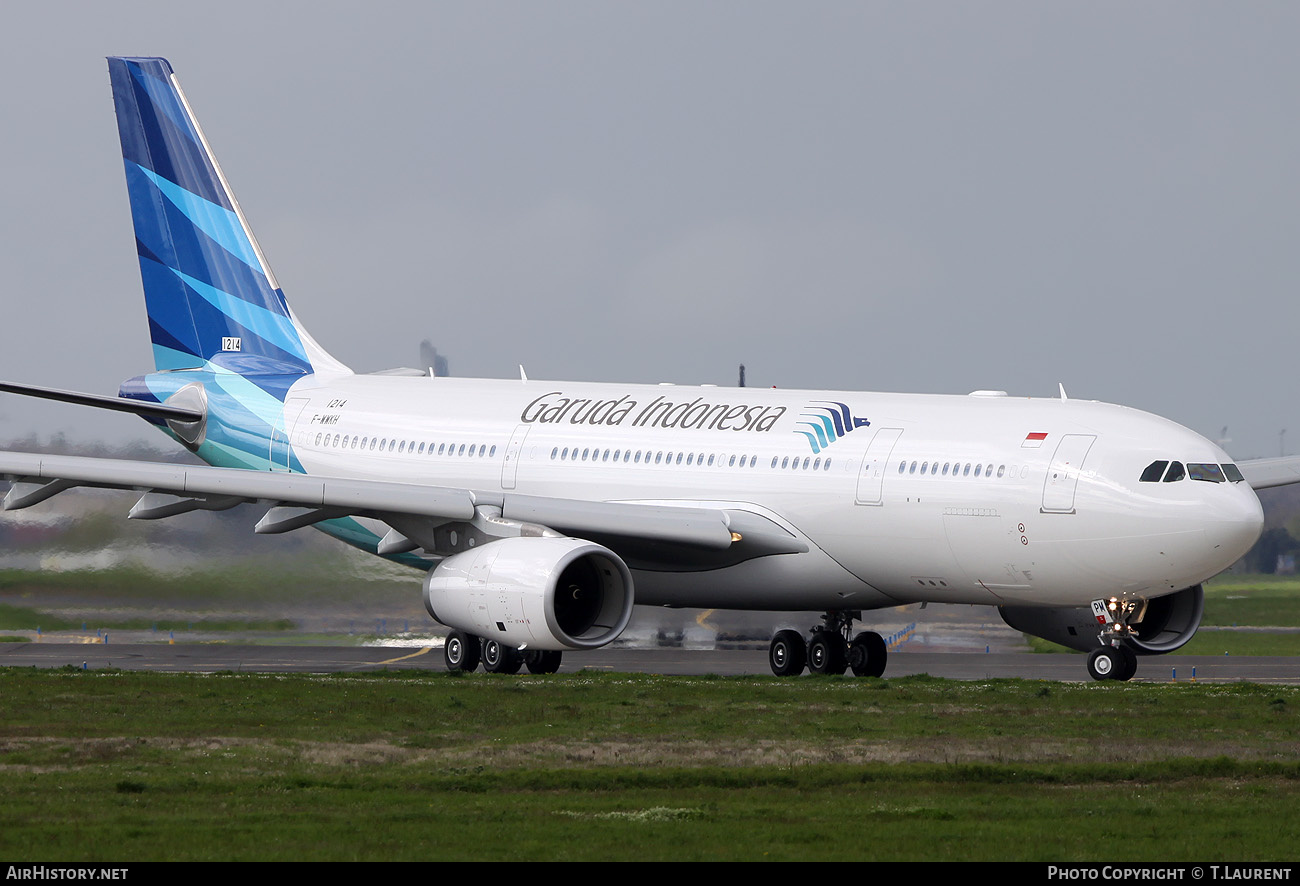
(538, 593)
(1168, 623)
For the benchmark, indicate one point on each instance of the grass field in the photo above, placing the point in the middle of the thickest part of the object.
(134, 766)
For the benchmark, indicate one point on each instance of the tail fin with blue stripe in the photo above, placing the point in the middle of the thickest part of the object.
(211, 296)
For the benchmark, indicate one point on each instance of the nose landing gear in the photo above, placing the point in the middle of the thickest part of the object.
(1112, 663)
(1115, 660)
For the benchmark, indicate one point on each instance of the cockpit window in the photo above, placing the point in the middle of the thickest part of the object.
(1233, 473)
(1175, 473)
(1154, 472)
(1209, 473)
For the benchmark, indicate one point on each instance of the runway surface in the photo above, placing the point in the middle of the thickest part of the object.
(212, 658)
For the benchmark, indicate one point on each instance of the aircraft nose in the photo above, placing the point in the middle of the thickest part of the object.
(1237, 524)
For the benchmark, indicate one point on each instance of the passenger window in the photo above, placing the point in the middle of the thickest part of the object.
(1175, 473)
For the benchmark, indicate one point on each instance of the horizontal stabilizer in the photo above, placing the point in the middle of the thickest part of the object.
(99, 401)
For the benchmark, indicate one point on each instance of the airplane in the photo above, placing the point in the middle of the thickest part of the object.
(540, 512)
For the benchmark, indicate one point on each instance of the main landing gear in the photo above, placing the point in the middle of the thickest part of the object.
(829, 650)
(464, 652)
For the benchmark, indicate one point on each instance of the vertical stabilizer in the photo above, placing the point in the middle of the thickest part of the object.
(211, 296)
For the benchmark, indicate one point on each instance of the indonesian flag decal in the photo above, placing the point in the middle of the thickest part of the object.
(1034, 440)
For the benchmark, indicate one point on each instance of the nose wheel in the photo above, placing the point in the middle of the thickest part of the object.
(1112, 663)
(1115, 660)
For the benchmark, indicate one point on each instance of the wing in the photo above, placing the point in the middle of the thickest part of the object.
(419, 517)
(1265, 473)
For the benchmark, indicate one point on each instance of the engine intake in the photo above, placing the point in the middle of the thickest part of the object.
(534, 593)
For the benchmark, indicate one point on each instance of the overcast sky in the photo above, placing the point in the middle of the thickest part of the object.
(932, 197)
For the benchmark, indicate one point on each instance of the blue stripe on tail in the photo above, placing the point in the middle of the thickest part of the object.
(209, 295)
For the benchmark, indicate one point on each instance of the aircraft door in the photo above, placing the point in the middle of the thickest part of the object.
(871, 478)
(1063, 474)
(280, 436)
(510, 467)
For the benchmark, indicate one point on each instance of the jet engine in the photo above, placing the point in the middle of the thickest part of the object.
(1166, 623)
(534, 593)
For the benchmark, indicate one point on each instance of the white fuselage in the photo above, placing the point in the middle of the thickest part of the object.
(900, 498)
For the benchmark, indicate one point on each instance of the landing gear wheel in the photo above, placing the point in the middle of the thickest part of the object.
(1129, 660)
(499, 658)
(827, 653)
(543, 661)
(788, 654)
(1106, 663)
(868, 654)
(461, 651)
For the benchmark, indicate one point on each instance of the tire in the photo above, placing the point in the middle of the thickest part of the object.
(543, 661)
(787, 654)
(868, 655)
(1105, 663)
(499, 658)
(828, 654)
(1129, 660)
(461, 651)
